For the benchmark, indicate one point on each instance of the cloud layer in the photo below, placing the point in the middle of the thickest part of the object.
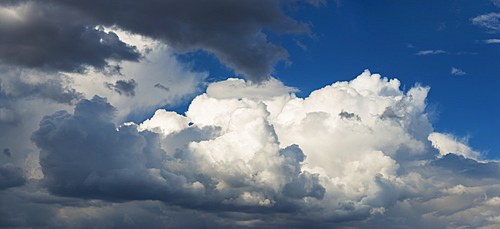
(350, 154)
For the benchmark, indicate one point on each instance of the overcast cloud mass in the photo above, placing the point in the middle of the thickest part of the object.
(88, 139)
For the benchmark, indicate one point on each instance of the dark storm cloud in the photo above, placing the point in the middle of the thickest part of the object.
(232, 30)
(11, 176)
(55, 38)
(123, 87)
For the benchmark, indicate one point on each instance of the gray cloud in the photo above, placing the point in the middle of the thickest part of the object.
(53, 89)
(347, 115)
(7, 115)
(123, 87)
(7, 152)
(161, 86)
(54, 38)
(232, 30)
(11, 176)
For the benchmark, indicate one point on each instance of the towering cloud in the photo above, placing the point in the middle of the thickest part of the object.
(350, 154)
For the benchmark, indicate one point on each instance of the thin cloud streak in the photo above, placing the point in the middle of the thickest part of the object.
(430, 52)
(492, 41)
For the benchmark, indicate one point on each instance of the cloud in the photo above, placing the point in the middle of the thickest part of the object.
(54, 38)
(457, 72)
(496, 2)
(239, 88)
(141, 94)
(11, 176)
(430, 52)
(446, 145)
(8, 116)
(123, 87)
(21, 83)
(232, 30)
(354, 153)
(7, 152)
(492, 41)
(489, 21)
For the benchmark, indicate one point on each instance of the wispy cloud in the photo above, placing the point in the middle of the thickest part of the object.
(457, 72)
(490, 21)
(430, 52)
(492, 41)
(496, 2)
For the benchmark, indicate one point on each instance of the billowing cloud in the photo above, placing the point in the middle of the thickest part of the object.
(430, 52)
(232, 30)
(54, 38)
(352, 153)
(490, 21)
(457, 71)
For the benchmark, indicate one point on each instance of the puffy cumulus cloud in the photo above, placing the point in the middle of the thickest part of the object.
(54, 38)
(232, 30)
(352, 154)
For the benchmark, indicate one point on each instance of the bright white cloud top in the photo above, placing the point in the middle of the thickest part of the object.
(353, 153)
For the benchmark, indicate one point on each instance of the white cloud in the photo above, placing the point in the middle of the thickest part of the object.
(492, 41)
(159, 78)
(239, 88)
(490, 21)
(446, 144)
(430, 52)
(457, 72)
(361, 149)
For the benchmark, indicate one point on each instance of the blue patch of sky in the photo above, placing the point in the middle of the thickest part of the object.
(385, 37)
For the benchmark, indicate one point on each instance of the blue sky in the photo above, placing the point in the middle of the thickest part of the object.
(249, 114)
(386, 37)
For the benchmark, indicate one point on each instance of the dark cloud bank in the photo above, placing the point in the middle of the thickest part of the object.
(52, 38)
(61, 35)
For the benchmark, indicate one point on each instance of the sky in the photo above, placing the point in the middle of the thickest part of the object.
(249, 114)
